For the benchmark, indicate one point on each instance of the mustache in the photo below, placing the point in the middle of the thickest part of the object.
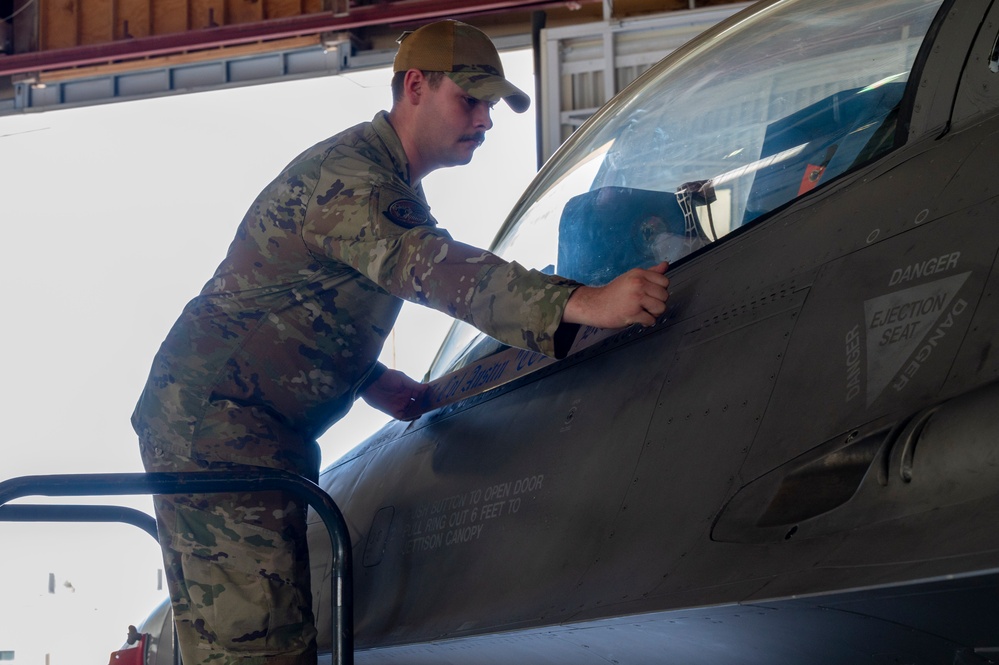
(478, 137)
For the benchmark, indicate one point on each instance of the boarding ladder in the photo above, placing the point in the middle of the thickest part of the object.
(207, 482)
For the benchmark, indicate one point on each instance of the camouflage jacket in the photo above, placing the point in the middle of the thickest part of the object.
(295, 316)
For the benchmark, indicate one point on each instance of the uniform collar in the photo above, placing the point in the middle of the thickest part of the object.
(386, 132)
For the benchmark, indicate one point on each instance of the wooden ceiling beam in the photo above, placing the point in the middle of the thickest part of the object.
(406, 11)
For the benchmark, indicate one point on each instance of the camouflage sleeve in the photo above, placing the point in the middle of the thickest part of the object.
(389, 236)
(376, 372)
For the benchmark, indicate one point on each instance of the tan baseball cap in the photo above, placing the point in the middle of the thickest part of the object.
(466, 55)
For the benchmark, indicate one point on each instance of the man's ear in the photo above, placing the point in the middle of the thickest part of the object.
(413, 86)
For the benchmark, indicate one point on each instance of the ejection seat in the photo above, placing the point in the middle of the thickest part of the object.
(610, 230)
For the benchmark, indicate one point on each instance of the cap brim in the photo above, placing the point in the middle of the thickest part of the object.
(491, 88)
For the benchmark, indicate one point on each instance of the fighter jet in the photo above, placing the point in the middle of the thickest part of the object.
(799, 463)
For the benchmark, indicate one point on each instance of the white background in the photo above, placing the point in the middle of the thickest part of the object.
(113, 217)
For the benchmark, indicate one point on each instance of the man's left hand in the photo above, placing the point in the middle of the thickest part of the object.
(397, 395)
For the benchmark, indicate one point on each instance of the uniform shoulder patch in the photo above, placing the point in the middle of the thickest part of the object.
(408, 213)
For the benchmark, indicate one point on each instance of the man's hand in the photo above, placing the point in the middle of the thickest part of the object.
(637, 296)
(397, 395)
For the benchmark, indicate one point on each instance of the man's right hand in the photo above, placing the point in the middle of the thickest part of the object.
(637, 296)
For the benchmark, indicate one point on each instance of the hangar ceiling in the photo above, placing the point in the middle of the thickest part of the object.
(70, 52)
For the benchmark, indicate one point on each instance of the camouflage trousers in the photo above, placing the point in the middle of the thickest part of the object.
(237, 568)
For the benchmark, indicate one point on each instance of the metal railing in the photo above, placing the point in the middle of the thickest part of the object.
(207, 482)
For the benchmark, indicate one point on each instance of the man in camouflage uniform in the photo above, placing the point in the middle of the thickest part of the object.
(287, 334)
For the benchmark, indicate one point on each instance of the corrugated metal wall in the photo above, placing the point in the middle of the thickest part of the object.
(583, 66)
